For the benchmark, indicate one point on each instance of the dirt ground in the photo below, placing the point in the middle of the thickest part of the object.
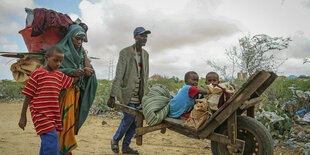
(94, 138)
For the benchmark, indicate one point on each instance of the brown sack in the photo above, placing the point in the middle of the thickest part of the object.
(199, 114)
(22, 69)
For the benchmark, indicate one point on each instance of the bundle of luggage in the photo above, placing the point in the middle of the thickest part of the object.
(204, 107)
(44, 28)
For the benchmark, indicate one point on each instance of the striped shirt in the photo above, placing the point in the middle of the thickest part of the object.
(43, 88)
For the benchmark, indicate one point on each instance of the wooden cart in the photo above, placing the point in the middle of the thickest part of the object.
(229, 132)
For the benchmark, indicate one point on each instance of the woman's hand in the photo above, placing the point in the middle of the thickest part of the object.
(78, 72)
(88, 71)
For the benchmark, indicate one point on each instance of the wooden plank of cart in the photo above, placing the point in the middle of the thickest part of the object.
(229, 131)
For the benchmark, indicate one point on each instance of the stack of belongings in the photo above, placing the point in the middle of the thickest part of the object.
(43, 28)
(204, 107)
(155, 104)
(220, 95)
(199, 114)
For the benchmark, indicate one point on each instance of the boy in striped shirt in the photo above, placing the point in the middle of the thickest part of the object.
(41, 94)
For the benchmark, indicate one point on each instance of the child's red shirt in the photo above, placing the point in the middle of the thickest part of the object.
(44, 88)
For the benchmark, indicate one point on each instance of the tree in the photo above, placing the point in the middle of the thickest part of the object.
(231, 55)
(251, 54)
(222, 70)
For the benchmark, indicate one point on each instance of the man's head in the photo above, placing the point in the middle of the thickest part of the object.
(140, 35)
(54, 57)
(212, 78)
(191, 78)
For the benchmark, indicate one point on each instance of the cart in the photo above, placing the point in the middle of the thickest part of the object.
(232, 129)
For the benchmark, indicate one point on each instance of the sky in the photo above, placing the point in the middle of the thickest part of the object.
(185, 33)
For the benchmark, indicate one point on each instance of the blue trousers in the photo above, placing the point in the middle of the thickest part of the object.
(127, 127)
(50, 143)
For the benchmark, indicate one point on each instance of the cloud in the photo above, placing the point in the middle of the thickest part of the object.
(299, 47)
(5, 63)
(10, 8)
(10, 28)
(7, 45)
(191, 23)
(10, 11)
(306, 3)
(295, 67)
(114, 24)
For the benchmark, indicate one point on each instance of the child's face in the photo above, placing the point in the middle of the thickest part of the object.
(54, 61)
(212, 79)
(193, 80)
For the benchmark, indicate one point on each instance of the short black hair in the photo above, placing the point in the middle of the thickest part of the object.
(54, 48)
(188, 74)
(218, 77)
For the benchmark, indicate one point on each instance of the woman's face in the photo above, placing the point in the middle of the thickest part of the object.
(78, 40)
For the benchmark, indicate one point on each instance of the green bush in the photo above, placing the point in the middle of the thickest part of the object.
(10, 91)
(102, 96)
(281, 88)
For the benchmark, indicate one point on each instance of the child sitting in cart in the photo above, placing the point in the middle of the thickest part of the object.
(220, 92)
(184, 101)
(210, 102)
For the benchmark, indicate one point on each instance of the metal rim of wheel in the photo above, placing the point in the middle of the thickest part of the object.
(250, 139)
(257, 138)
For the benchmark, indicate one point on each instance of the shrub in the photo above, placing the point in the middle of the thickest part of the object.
(10, 91)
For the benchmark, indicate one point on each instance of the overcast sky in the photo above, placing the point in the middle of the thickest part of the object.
(185, 33)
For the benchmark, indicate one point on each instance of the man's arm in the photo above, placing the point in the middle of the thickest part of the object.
(23, 117)
(120, 70)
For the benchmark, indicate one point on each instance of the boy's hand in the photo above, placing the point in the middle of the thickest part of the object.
(78, 72)
(22, 122)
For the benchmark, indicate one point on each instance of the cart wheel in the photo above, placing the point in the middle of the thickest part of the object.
(257, 139)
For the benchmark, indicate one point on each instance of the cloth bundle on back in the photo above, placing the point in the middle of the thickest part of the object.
(43, 28)
(155, 104)
(44, 19)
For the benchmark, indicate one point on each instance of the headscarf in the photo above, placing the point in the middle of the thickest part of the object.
(74, 59)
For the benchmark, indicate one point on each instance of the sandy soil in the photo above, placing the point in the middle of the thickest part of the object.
(94, 138)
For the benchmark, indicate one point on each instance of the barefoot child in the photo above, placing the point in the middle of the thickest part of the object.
(184, 101)
(41, 94)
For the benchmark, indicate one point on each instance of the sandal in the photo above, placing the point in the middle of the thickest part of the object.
(130, 151)
(114, 146)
